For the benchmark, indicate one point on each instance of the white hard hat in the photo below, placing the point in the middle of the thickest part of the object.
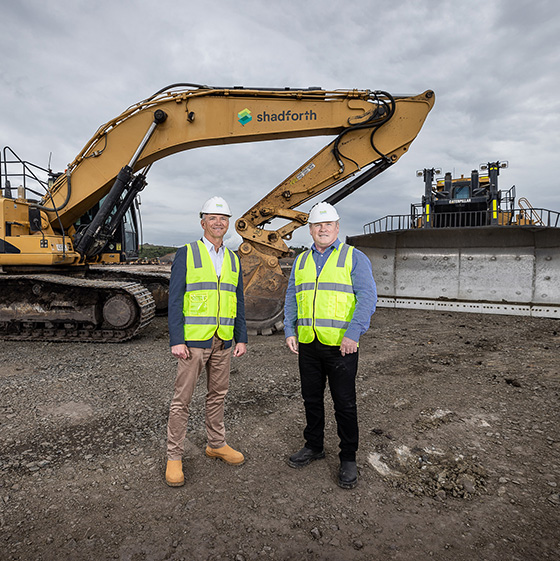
(323, 212)
(215, 205)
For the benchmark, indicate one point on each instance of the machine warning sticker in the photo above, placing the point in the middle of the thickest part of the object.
(305, 171)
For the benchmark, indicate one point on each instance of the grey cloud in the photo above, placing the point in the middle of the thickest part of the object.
(491, 63)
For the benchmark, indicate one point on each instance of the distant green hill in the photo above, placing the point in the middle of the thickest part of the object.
(150, 251)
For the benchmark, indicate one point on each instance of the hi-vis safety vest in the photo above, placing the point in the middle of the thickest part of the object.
(209, 304)
(325, 303)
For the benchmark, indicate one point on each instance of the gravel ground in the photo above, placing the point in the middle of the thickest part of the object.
(459, 451)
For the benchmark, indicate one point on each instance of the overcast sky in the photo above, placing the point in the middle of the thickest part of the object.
(69, 66)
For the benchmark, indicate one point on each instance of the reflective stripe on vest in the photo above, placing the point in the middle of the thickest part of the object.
(209, 303)
(326, 303)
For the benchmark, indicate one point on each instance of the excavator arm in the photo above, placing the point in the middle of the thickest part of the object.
(372, 130)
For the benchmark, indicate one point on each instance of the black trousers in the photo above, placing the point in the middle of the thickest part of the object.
(317, 364)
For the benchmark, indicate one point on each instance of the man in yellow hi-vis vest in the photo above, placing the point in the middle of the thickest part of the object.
(206, 314)
(330, 299)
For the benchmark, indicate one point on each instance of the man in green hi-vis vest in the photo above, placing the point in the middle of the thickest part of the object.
(206, 315)
(330, 299)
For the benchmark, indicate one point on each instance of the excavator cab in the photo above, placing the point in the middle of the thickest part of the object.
(25, 181)
(124, 245)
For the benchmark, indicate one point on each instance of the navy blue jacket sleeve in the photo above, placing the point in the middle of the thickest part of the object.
(240, 326)
(177, 287)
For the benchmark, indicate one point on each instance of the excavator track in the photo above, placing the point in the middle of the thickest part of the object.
(157, 282)
(58, 308)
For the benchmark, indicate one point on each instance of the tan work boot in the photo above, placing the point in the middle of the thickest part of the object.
(174, 473)
(227, 454)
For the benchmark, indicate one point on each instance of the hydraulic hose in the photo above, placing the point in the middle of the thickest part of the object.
(389, 110)
(68, 193)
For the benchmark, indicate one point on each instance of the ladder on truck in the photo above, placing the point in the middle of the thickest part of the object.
(528, 212)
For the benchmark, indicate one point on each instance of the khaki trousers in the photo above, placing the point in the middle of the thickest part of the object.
(217, 362)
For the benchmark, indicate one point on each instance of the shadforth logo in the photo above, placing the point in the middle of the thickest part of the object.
(244, 117)
(288, 115)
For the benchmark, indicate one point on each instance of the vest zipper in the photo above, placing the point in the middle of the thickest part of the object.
(314, 300)
(218, 316)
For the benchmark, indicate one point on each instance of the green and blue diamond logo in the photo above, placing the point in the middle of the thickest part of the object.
(244, 117)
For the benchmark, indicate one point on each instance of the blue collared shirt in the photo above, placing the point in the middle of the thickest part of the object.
(362, 283)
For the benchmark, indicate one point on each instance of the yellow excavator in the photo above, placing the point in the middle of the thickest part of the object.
(48, 241)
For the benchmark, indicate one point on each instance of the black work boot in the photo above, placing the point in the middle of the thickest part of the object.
(304, 456)
(347, 475)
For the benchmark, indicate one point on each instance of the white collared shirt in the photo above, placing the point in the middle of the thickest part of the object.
(216, 256)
